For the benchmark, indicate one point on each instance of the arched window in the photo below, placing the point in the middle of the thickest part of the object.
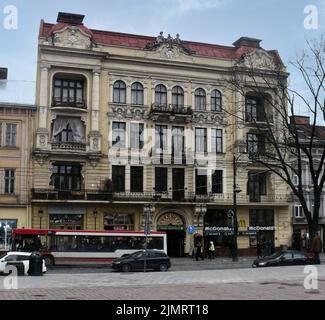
(216, 100)
(137, 94)
(119, 95)
(161, 95)
(178, 96)
(200, 99)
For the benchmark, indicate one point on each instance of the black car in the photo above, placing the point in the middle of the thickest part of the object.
(155, 260)
(285, 258)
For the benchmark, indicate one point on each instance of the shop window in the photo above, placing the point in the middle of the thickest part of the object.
(119, 221)
(6, 227)
(66, 221)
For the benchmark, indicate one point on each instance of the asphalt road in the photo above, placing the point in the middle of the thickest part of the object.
(262, 283)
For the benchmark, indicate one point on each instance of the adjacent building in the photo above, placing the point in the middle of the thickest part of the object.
(131, 126)
(16, 136)
(300, 226)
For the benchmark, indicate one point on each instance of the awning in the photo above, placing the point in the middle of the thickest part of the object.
(59, 209)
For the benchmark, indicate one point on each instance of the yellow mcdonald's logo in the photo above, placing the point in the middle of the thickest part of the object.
(242, 224)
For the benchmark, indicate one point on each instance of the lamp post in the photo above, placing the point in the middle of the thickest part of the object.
(40, 214)
(147, 232)
(95, 213)
(236, 190)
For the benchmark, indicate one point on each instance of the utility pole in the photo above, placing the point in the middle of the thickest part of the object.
(236, 190)
(147, 231)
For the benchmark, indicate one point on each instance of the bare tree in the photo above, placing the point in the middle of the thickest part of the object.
(286, 146)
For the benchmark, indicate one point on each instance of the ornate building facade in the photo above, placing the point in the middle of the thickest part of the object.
(129, 126)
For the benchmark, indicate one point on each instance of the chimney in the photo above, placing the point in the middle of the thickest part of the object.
(3, 73)
(247, 42)
(70, 18)
(303, 120)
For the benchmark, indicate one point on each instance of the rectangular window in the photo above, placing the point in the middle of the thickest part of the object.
(67, 177)
(216, 140)
(298, 212)
(136, 179)
(178, 142)
(255, 109)
(161, 138)
(201, 182)
(200, 140)
(6, 227)
(261, 217)
(161, 177)
(255, 144)
(118, 137)
(68, 92)
(118, 178)
(256, 186)
(11, 132)
(137, 139)
(9, 181)
(295, 179)
(217, 181)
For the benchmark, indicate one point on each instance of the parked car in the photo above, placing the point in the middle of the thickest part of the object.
(285, 258)
(155, 260)
(13, 256)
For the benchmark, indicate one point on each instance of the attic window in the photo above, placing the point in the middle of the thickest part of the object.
(70, 18)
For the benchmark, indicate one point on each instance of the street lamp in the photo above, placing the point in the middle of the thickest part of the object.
(40, 214)
(95, 213)
(236, 189)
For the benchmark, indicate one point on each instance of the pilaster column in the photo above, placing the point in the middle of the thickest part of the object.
(94, 135)
(95, 101)
(43, 104)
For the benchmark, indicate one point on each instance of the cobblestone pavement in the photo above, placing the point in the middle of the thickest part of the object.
(267, 283)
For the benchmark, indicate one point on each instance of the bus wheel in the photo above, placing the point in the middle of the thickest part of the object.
(49, 261)
(126, 267)
(163, 267)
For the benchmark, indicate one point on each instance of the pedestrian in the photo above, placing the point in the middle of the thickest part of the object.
(259, 249)
(316, 247)
(199, 251)
(211, 250)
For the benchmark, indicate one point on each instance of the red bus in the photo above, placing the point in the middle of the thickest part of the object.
(66, 246)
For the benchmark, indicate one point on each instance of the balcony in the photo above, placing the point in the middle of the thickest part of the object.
(68, 146)
(68, 103)
(171, 113)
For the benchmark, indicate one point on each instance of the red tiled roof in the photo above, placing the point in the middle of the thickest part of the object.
(140, 41)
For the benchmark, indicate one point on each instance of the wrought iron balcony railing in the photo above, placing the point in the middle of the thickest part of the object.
(63, 102)
(171, 109)
(68, 146)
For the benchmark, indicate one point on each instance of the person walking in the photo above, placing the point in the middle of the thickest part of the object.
(316, 247)
(199, 251)
(259, 250)
(211, 250)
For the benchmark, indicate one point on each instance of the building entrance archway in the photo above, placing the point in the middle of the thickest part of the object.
(173, 224)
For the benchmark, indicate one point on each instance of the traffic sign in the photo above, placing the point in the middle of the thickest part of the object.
(191, 229)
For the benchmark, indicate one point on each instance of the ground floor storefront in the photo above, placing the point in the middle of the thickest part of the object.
(301, 239)
(11, 218)
(184, 224)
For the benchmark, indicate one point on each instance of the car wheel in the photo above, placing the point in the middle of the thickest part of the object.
(126, 267)
(49, 261)
(163, 267)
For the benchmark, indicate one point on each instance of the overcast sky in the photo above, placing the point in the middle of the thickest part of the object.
(279, 23)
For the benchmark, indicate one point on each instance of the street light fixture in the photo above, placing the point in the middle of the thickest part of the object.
(40, 214)
(95, 213)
